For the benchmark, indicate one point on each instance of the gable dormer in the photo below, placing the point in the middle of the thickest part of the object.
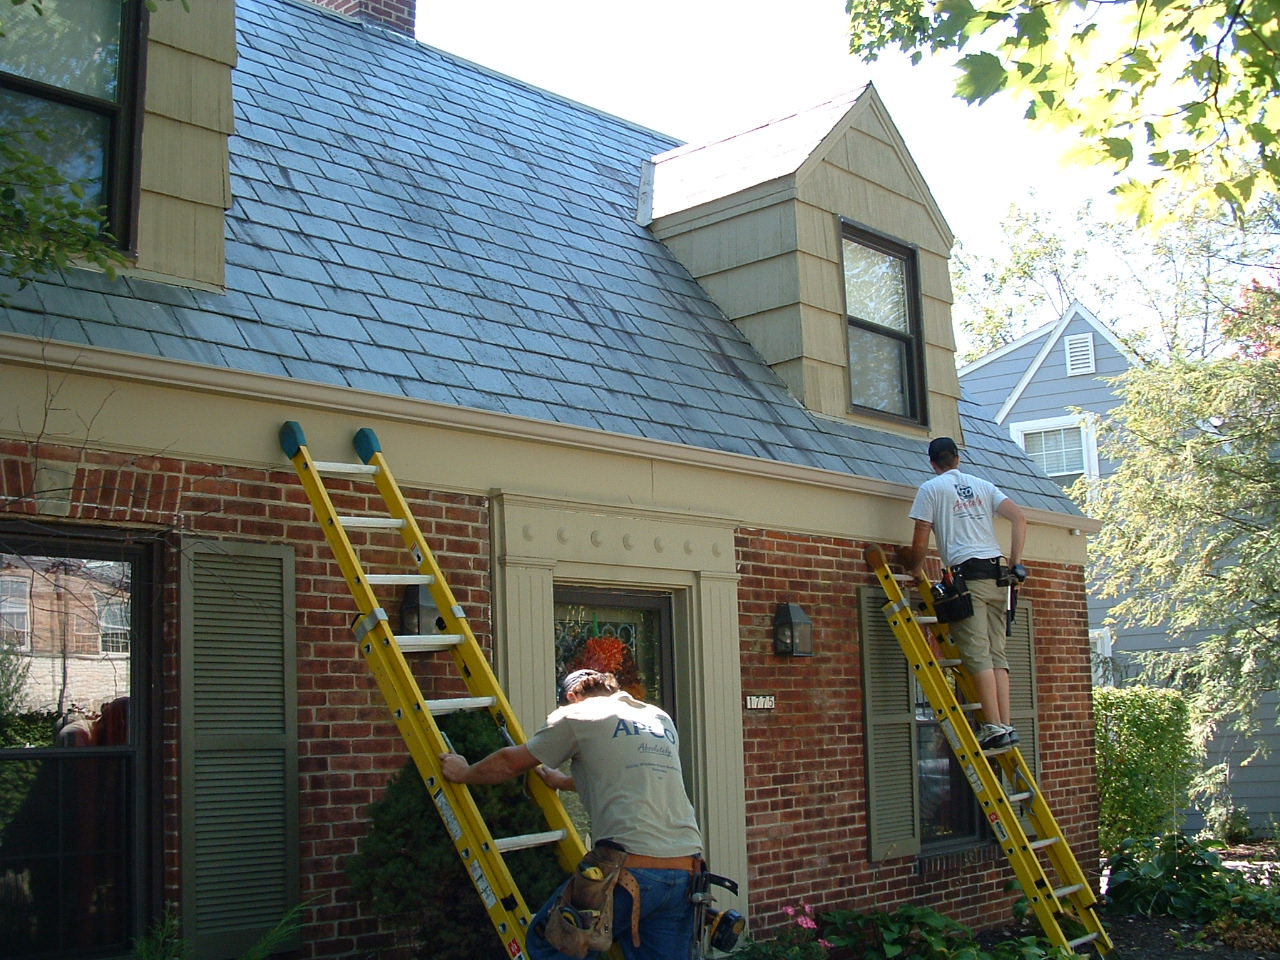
(819, 239)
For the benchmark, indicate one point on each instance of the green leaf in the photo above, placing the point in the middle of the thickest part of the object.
(982, 75)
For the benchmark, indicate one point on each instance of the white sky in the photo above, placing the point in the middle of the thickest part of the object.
(702, 69)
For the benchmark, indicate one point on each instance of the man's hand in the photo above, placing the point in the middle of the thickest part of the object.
(454, 766)
(904, 556)
(554, 779)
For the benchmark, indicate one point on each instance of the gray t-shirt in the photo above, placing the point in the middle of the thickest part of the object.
(962, 509)
(626, 766)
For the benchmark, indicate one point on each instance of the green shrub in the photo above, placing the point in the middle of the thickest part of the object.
(918, 933)
(799, 940)
(408, 870)
(1145, 761)
(1182, 878)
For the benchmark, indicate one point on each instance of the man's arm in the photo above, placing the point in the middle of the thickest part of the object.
(1013, 513)
(554, 779)
(497, 767)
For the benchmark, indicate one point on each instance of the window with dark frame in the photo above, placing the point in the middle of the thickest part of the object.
(948, 809)
(70, 91)
(882, 306)
(74, 745)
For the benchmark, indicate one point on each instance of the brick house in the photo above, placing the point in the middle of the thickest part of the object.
(655, 388)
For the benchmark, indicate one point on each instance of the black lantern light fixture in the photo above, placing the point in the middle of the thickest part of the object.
(792, 631)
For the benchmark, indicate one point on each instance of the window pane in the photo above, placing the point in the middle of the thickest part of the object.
(63, 688)
(75, 45)
(878, 372)
(72, 141)
(622, 640)
(875, 287)
(1058, 452)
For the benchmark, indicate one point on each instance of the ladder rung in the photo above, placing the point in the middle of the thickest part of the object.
(1067, 891)
(1081, 941)
(926, 619)
(1019, 797)
(903, 577)
(950, 663)
(441, 707)
(370, 523)
(1046, 842)
(427, 642)
(349, 469)
(525, 841)
(392, 579)
(971, 707)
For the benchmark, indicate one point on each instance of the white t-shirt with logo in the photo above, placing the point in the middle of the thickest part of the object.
(626, 766)
(962, 509)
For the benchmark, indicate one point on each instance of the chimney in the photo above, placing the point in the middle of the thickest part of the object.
(396, 14)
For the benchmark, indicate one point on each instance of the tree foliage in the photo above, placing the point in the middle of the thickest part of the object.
(1191, 517)
(1156, 90)
(1163, 291)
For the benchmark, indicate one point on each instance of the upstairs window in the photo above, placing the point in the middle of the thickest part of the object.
(1065, 448)
(69, 89)
(882, 304)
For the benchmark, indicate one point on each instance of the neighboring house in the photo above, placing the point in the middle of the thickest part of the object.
(651, 388)
(1049, 388)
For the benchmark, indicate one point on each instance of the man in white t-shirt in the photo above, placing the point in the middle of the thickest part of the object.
(960, 510)
(626, 768)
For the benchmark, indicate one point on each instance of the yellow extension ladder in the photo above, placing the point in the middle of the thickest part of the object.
(1071, 905)
(480, 852)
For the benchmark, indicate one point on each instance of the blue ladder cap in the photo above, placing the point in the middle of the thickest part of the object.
(366, 444)
(292, 439)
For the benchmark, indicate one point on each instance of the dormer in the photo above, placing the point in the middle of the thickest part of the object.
(818, 237)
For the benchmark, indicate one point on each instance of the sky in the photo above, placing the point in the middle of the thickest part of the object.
(700, 70)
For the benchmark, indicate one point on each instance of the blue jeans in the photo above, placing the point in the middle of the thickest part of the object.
(666, 919)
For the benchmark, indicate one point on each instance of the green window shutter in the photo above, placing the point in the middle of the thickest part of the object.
(1020, 649)
(893, 813)
(239, 744)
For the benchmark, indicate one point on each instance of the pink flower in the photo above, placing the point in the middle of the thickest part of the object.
(789, 911)
(807, 922)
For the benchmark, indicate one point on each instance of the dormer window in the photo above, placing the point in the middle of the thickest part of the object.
(68, 92)
(882, 306)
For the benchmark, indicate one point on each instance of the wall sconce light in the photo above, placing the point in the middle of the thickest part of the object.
(792, 631)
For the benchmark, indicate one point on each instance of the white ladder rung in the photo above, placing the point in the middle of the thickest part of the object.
(1019, 797)
(950, 663)
(441, 707)
(525, 841)
(370, 523)
(1046, 842)
(1067, 891)
(1081, 941)
(394, 579)
(926, 619)
(427, 642)
(903, 577)
(971, 707)
(345, 469)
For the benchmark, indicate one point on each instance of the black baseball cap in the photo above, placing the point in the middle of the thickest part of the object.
(942, 445)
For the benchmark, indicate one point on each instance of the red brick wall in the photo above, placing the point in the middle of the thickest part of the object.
(348, 748)
(805, 763)
(398, 14)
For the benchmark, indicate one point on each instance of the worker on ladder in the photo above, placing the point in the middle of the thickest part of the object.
(960, 510)
(643, 869)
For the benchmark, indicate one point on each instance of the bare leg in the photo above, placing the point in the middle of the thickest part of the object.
(1002, 696)
(989, 693)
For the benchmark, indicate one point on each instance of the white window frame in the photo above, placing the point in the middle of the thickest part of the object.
(18, 606)
(1088, 437)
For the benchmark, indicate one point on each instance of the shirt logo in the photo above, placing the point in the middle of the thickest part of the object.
(964, 491)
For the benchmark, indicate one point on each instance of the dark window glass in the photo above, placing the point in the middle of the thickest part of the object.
(68, 86)
(948, 808)
(71, 743)
(882, 296)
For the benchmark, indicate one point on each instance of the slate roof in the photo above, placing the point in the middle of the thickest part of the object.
(410, 223)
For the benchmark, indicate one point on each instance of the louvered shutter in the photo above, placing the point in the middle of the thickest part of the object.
(239, 745)
(1020, 650)
(893, 805)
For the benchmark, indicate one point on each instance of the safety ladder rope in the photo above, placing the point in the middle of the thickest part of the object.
(479, 851)
(987, 772)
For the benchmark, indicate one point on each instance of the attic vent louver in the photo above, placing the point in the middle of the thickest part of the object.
(1079, 354)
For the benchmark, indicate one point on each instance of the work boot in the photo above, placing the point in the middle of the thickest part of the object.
(1012, 734)
(992, 736)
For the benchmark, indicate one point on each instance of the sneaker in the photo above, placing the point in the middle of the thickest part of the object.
(992, 736)
(1012, 734)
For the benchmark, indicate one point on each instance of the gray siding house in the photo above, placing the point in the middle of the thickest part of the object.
(1048, 388)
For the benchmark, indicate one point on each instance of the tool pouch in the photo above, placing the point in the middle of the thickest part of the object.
(582, 918)
(952, 600)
